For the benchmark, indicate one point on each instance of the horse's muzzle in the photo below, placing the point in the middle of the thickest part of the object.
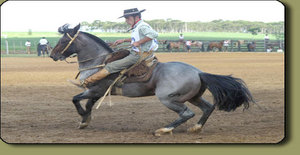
(53, 58)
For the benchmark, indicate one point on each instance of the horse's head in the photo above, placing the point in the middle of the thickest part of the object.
(222, 42)
(66, 44)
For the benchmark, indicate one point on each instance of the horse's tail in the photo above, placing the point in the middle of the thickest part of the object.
(228, 92)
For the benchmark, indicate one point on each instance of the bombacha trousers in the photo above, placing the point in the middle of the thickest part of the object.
(119, 65)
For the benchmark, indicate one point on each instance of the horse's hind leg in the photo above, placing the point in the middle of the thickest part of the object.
(207, 109)
(182, 110)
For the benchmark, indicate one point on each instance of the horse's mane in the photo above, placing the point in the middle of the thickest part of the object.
(100, 41)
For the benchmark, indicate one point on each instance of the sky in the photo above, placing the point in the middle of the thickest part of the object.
(47, 16)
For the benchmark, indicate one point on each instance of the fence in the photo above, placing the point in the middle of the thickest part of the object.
(17, 46)
(234, 46)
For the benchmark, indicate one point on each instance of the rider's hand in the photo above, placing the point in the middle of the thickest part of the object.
(117, 42)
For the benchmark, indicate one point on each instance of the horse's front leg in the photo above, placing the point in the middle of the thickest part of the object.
(85, 114)
(76, 101)
(87, 117)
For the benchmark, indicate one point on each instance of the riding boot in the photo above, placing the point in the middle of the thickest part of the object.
(96, 77)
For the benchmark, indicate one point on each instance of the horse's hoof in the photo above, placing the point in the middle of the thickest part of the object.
(83, 125)
(162, 131)
(88, 120)
(195, 129)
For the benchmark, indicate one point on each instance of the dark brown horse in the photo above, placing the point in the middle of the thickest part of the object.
(251, 46)
(213, 45)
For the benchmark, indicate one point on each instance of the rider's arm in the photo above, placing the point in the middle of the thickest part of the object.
(138, 43)
(127, 40)
(122, 41)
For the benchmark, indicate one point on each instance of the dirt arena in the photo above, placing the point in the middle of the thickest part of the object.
(36, 104)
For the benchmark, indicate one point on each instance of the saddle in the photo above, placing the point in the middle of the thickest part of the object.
(140, 73)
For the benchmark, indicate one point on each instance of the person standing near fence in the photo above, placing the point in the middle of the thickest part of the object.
(28, 45)
(226, 44)
(188, 45)
(266, 42)
(43, 45)
(267, 38)
(181, 37)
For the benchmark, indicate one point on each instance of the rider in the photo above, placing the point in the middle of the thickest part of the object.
(142, 37)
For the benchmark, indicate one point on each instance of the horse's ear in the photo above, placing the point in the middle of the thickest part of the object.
(76, 28)
(63, 29)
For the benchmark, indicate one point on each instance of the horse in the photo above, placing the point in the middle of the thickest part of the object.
(174, 45)
(273, 44)
(217, 45)
(198, 44)
(251, 46)
(239, 43)
(174, 83)
(163, 42)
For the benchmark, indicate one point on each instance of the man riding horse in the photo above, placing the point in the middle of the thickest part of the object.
(143, 38)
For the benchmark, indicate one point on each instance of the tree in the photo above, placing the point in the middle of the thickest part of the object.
(29, 32)
(254, 30)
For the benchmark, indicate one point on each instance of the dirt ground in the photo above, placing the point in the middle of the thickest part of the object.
(36, 104)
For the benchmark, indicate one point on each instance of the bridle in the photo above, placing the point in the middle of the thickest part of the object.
(70, 42)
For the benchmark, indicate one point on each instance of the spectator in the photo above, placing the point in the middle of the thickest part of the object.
(28, 44)
(226, 44)
(267, 38)
(266, 42)
(188, 45)
(43, 45)
(269, 49)
(279, 50)
(181, 38)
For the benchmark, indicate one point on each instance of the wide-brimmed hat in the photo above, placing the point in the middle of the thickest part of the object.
(133, 11)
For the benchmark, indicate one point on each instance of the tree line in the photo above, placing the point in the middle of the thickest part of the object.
(178, 26)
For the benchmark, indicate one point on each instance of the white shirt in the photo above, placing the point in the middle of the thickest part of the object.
(226, 42)
(43, 41)
(181, 37)
(135, 36)
(188, 43)
(27, 43)
(267, 37)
